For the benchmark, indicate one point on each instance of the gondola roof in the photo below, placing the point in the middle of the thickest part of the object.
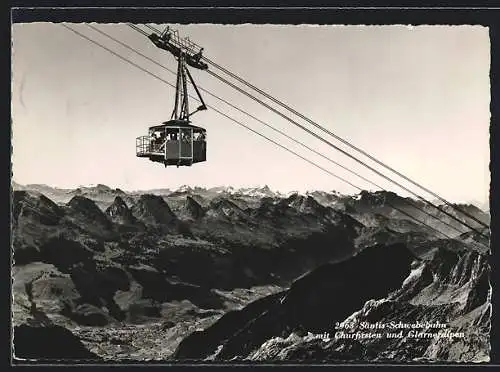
(176, 123)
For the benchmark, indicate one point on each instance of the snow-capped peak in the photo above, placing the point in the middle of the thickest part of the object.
(184, 188)
(258, 191)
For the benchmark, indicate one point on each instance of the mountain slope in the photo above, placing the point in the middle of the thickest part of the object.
(449, 290)
(313, 304)
(153, 210)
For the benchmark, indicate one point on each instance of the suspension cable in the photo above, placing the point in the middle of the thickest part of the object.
(252, 130)
(344, 141)
(193, 97)
(361, 151)
(138, 29)
(338, 138)
(271, 127)
(345, 152)
(152, 28)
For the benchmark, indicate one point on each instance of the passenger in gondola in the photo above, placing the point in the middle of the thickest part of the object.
(152, 140)
(157, 140)
(161, 138)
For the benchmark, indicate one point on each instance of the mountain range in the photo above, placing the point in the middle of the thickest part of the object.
(242, 274)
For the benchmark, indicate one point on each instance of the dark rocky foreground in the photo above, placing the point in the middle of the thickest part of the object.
(246, 275)
(367, 290)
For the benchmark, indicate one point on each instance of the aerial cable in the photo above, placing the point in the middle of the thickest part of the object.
(344, 152)
(349, 155)
(232, 119)
(338, 138)
(211, 107)
(138, 29)
(379, 162)
(252, 130)
(152, 28)
(344, 141)
(271, 127)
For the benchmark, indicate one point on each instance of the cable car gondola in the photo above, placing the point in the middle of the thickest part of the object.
(174, 142)
(177, 141)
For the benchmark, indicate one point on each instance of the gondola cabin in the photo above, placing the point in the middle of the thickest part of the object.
(175, 142)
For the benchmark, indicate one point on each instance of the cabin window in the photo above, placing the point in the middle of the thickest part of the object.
(157, 138)
(172, 134)
(185, 135)
(199, 135)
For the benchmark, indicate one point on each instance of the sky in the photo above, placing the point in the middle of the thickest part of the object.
(416, 98)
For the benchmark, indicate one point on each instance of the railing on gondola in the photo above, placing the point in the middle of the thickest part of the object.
(143, 146)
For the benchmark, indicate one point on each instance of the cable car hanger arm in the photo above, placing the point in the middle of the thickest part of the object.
(202, 106)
